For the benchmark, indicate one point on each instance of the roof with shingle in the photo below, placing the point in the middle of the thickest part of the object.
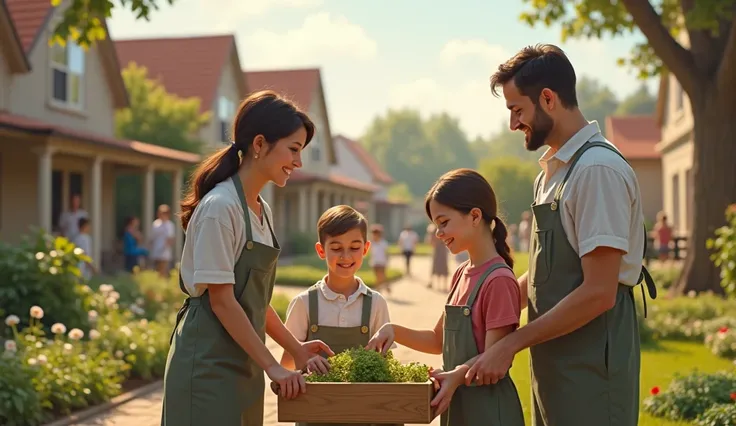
(297, 85)
(186, 66)
(636, 136)
(29, 17)
(370, 163)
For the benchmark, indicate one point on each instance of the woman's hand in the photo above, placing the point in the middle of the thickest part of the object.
(309, 349)
(318, 364)
(382, 340)
(291, 383)
(448, 382)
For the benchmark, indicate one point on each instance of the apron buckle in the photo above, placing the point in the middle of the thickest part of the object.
(314, 328)
(364, 329)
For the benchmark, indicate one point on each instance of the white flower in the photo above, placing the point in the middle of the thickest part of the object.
(143, 322)
(137, 310)
(10, 346)
(106, 288)
(115, 295)
(68, 347)
(110, 301)
(78, 251)
(12, 320)
(92, 315)
(58, 328)
(36, 312)
(40, 255)
(76, 334)
(53, 253)
(42, 359)
(32, 361)
(127, 331)
(119, 354)
(94, 334)
(53, 270)
(691, 294)
(133, 346)
(140, 301)
(82, 357)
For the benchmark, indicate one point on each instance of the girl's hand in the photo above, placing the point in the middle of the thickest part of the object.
(318, 364)
(448, 383)
(382, 340)
(291, 383)
(308, 350)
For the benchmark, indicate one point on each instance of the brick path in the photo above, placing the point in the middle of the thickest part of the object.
(410, 302)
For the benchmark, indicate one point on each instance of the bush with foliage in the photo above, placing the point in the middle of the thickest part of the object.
(689, 397)
(719, 414)
(20, 405)
(723, 247)
(664, 277)
(722, 341)
(43, 270)
(687, 318)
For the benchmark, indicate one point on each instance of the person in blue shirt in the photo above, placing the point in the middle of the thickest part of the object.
(131, 237)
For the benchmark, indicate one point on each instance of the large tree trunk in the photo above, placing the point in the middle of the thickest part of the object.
(714, 181)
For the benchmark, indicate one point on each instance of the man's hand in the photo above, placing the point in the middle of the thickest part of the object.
(492, 365)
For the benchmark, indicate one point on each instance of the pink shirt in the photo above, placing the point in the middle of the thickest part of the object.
(497, 303)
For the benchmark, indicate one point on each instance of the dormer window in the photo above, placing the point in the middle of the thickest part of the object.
(225, 114)
(67, 74)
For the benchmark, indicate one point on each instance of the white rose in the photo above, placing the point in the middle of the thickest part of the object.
(58, 328)
(12, 320)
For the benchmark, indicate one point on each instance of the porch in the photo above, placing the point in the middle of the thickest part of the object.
(42, 166)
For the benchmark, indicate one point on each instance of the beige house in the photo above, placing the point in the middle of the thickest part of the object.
(317, 185)
(354, 160)
(676, 147)
(206, 67)
(57, 108)
(637, 137)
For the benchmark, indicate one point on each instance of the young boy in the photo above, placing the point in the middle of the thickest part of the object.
(379, 255)
(83, 240)
(339, 309)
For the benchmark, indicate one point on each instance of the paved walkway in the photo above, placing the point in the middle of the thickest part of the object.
(410, 302)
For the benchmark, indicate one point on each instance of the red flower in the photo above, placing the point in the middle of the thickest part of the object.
(733, 396)
(655, 390)
(723, 330)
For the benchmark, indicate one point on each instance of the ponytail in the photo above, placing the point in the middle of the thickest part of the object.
(213, 170)
(499, 240)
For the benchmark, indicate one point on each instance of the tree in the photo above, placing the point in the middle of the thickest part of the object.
(512, 180)
(640, 102)
(160, 118)
(596, 100)
(706, 73)
(400, 193)
(83, 20)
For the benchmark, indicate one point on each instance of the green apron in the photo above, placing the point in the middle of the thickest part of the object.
(475, 405)
(209, 378)
(591, 375)
(339, 339)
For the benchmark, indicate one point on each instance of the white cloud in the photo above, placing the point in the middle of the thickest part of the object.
(249, 8)
(321, 37)
(479, 112)
(489, 55)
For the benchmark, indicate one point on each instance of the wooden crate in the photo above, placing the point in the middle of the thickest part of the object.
(360, 403)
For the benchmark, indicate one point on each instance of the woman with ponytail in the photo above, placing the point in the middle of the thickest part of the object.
(214, 371)
(483, 305)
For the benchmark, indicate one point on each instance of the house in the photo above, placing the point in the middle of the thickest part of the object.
(637, 137)
(355, 161)
(203, 67)
(57, 110)
(675, 118)
(317, 185)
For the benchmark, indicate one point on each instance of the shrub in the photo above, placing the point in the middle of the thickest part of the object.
(665, 277)
(719, 415)
(280, 303)
(685, 318)
(691, 396)
(145, 292)
(43, 270)
(722, 342)
(19, 402)
(723, 247)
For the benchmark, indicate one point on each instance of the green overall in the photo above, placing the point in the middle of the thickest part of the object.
(209, 378)
(339, 339)
(475, 405)
(591, 375)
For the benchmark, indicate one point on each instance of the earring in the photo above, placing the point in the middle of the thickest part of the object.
(256, 156)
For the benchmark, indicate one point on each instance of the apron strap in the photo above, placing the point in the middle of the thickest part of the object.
(644, 275)
(482, 279)
(182, 309)
(365, 319)
(246, 214)
(313, 308)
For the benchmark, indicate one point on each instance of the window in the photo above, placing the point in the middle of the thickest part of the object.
(314, 147)
(225, 114)
(67, 74)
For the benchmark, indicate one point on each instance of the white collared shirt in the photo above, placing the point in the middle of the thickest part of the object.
(335, 310)
(601, 203)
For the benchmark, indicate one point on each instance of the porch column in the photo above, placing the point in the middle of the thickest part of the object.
(96, 211)
(148, 189)
(303, 211)
(45, 165)
(175, 202)
(313, 209)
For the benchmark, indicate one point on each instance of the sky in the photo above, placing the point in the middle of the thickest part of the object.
(381, 54)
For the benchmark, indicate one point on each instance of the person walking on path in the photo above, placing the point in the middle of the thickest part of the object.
(408, 240)
(440, 259)
(587, 245)
(214, 371)
(483, 305)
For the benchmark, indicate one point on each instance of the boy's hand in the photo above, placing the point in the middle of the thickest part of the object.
(308, 350)
(448, 383)
(318, 364)
(382, 340)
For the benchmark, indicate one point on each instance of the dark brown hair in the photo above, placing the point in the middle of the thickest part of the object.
(338, 220)
(262, 113)
(465, 189)
(538, 67)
